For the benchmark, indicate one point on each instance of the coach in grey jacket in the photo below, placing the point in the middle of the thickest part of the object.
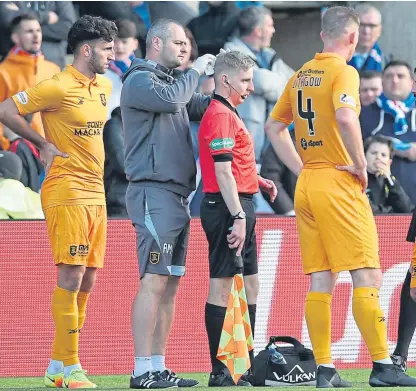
(160, 167)
(271, 74)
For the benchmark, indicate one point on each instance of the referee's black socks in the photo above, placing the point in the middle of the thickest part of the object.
(214, 320)
(252, 312)
(407, 319)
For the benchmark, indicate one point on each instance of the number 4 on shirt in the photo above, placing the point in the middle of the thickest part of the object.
(309, 114)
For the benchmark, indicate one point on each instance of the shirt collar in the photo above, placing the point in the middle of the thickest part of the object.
(225, 102)
(323, 56)
(19, 51)
(81, 77)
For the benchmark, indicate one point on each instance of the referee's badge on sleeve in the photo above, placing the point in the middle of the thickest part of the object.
(154, 257)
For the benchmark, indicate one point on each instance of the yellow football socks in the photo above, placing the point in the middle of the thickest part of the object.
(371, 321)
(82, 300)
(65, 315)
(318, 319)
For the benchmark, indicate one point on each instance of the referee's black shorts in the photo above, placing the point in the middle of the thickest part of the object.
(216, 221)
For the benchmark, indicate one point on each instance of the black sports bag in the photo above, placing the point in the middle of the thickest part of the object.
(284, 365)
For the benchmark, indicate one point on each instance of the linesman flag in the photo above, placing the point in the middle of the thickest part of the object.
(236, 337)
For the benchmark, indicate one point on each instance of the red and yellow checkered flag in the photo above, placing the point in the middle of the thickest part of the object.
(236, 337)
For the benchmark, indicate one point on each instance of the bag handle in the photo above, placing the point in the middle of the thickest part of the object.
(290, 340)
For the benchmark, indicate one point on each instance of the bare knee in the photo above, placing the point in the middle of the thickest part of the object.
(323, 282)
(171, 290)
(367, 278)
(153, 284)
(88, 280)
(251, 284)
(70, 277)
(219, 291)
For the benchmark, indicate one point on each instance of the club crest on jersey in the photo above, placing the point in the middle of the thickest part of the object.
(103, 100)
(154, 258)
(73, 250)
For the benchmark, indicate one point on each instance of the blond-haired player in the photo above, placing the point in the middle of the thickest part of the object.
(337, 231)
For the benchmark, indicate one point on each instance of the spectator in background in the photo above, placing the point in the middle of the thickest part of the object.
(55, 17)
(117, 10)
(33, 170)
(16, 200)
(125, 44)
(213, 28)
(368, 55)
(204, 5)
(371, 87)
(25, 65)
(384, 190)
(256, 29)
(394, 115)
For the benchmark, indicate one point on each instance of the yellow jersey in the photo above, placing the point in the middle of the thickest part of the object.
(310, 100)
(74, 111)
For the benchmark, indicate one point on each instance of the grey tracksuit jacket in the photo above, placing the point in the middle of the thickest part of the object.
(156, 110)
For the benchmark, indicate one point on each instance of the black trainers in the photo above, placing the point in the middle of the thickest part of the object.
(330, 378)
(150, 380)
(388, 375)
(170, 376)
(399, 362)
(224, 379)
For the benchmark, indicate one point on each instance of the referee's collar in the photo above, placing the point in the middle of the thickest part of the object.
(225, 102)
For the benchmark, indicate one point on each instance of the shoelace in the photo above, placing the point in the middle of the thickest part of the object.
(155, 376)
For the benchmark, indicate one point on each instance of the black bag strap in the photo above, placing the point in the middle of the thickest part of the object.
(290, 340)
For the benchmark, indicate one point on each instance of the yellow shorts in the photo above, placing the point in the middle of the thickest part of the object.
(77, 234)
(413, 268)
(337, 230)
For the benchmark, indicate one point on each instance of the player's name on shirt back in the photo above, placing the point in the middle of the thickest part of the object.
(311, 98)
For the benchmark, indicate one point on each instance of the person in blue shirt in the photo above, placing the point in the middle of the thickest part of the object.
(368, 55)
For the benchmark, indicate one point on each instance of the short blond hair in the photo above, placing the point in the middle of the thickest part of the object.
(336, 19)
(232, 61)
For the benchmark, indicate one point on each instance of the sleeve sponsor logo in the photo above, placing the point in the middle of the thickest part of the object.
(348, 100)
(22, 97)
(222, 143)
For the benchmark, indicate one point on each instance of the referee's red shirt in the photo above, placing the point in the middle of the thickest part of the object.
(222, 136)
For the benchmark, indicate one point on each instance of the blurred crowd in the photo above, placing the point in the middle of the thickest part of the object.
(33, 47)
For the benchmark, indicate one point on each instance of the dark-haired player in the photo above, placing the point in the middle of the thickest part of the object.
(73, 106)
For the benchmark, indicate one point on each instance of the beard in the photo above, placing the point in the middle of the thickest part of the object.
(170, 60)
(95, 65)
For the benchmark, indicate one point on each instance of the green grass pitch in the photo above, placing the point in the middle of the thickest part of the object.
(359, 378)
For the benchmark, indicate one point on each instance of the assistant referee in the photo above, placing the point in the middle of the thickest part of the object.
(228, 217)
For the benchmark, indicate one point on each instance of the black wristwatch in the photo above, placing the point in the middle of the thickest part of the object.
(240, 215)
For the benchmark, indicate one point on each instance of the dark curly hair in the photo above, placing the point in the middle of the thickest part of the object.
(91, 28)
